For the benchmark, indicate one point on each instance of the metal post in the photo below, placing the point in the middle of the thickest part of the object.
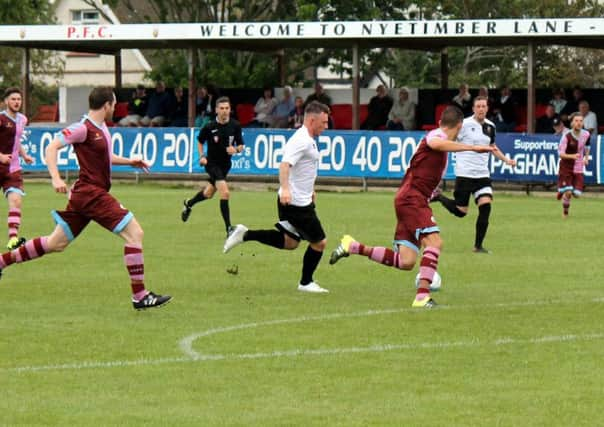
(530, 85)
(117, 60)
(444, 68)
(282, 67)
(25, 83)
(191, 59)
(355, 87)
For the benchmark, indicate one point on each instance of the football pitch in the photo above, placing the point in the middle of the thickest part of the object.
(518, 338)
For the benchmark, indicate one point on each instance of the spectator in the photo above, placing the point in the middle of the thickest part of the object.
(402, 113)
(283, 108)
(558, 125)
(180, 109)
(558, 100)
(264, 109)
(159, 107)
(137, 108)
(463, 100)
(205, 105)
(590, 121)
(296, 116)
(318, 95)
(379, 107)
(504, 111)
(545, 123)
(572, 106)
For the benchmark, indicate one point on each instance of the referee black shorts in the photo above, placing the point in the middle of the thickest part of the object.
(217, 172)
(300, 222)
(476, 187)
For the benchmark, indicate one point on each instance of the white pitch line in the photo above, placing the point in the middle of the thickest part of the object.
(193, 356)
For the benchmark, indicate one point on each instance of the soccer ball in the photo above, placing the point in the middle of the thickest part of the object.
(436, 282)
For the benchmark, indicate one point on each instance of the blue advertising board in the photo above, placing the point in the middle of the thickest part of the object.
(353, 154)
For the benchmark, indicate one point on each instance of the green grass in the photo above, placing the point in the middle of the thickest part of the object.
(518, 340)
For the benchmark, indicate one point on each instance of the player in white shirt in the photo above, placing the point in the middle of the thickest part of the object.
(472, 173)
(296, 204)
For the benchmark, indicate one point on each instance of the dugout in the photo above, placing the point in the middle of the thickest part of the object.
(277, 37)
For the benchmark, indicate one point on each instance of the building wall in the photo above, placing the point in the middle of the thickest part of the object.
(92, 69)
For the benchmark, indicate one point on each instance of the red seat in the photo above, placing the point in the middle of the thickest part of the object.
(46, 113)
(540, 110)
(438, 111)
(245, 113)
(341, 115)
(121, 111)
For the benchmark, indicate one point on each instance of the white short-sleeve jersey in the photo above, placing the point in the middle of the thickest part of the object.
(470, 164)
(302, 154)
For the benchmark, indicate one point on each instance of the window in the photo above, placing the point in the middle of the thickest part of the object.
(85, 17)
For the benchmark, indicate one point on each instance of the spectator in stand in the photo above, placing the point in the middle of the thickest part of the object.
(378, 109)
(572, 106)
(558, 100)
(318, 95)
(137, 108)
(504, 111)
(180, 109)
(559, 128)
(463, 100)
(402, 113)
(158, 109)
(296, 116)
(545, 123)
(264, 109)
(205, 105)
(283, 108)
(590, 122)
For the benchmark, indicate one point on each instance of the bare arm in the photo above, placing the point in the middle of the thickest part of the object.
(439, 144)
(26, 157)
(135, 163)
(569, 156)
(285, 198)
(51, 164)
(497, 153)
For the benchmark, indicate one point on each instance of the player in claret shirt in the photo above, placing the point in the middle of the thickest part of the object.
(574, 154)
(473, 178)
(416, 226)
(12, 124)
(89, 198)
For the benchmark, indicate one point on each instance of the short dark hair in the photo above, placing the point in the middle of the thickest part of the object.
(99, 96)
(9, 91)
(223, 99)
(316, 107)
(480, 98)
(451, 116)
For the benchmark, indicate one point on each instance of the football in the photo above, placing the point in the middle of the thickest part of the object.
(436, 282)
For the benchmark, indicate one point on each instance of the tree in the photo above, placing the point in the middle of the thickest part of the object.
(42, 62)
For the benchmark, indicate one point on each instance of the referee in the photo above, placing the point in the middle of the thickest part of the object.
(223, 137)
(472, 171)
(298, 219)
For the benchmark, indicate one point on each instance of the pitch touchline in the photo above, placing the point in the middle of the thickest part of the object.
(192, 356)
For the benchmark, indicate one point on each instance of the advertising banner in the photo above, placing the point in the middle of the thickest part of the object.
(353, 154)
